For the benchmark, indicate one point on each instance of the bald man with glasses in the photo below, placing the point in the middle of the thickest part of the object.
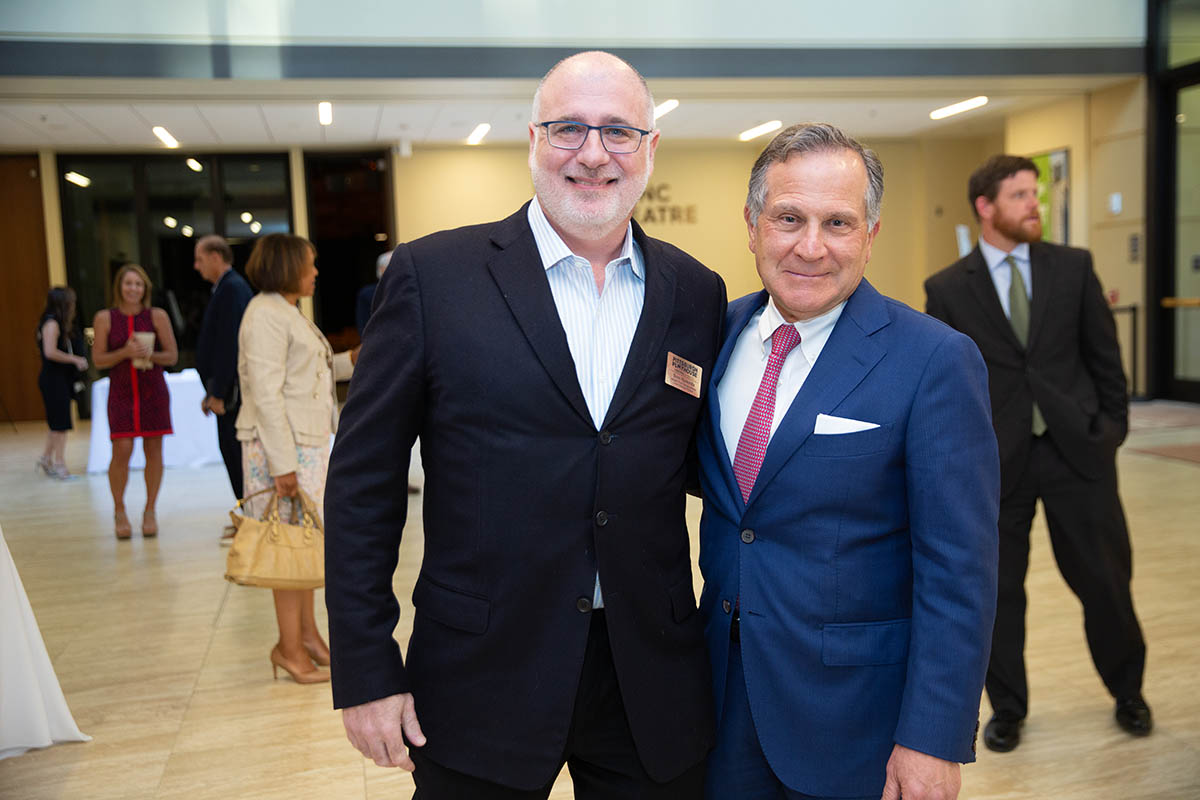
(554, 365)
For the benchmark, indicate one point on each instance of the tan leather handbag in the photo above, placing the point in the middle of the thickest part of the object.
(275, 553)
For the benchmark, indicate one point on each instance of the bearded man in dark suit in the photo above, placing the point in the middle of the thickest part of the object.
(1060, 411)
(553, 365)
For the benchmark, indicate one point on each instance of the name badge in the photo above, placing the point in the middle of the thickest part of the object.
(684, 375)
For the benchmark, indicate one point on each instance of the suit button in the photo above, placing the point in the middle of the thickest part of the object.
(747, 536)
(584, 605)
(605, 437)
(601, 518)
(728, 606)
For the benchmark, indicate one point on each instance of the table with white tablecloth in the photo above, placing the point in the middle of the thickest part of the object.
(193, 444)
(33, 711)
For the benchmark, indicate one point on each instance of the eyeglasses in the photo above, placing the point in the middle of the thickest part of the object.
(617, 139)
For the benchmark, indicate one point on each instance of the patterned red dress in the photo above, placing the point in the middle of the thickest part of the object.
(138, 403)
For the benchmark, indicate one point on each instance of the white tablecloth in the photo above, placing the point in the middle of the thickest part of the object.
(193, 444)
(33, 711)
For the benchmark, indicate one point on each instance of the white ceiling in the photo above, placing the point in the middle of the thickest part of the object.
(96, 115)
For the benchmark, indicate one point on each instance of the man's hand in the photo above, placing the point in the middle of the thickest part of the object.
(217, 406)
(374, 728)
(913, 775)
(204, 405)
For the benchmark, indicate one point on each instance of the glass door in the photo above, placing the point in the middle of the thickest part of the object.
(1183, 300)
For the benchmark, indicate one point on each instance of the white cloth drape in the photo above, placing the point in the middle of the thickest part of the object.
(33, 711)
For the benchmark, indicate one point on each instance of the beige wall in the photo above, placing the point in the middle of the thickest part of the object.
(695, 198)
(1117, 125)
(1105, 133)
(1056, 126)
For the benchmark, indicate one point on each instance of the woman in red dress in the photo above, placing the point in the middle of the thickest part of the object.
(138, 404)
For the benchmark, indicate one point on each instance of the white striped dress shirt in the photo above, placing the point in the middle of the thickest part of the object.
(599, 325)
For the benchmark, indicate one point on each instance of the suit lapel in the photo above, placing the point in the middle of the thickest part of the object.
(739, 315)
(1041, 276)
(517, 270)
(657, 309)
(845, 360)
(980, 281)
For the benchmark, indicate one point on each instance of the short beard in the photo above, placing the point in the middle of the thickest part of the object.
(1018, 232)
(596, 222)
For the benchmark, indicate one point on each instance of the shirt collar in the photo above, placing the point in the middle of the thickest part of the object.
(553, 249)
(994, 256)
(813, 332)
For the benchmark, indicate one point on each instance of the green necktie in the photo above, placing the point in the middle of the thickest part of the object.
(1018, 315)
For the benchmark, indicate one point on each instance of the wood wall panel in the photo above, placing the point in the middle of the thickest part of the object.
(23, 285)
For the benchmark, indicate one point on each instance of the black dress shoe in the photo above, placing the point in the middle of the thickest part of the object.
(1133, 715)
(1002, 734)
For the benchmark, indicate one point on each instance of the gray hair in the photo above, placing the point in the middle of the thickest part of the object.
(813, 137)
(382, 262)
(535, 117)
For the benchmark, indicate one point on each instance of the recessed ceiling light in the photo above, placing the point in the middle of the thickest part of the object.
(78, 179)
(255, 226)
(481, 130)
(958, 108)
(247, 216)
(759, 130)
(325, 112)
(194, 165)
(665, 107)
(186, 230)
(170, 222)
(164, 136)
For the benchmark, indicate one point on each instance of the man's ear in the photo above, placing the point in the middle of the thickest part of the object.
(984, 208)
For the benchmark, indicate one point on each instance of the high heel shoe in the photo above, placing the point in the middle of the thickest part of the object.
(320, 657)
(149, 524)
(309, 676)
(121, 525)
(45, 466)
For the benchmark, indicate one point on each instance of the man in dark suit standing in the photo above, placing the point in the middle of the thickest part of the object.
(553, 365)
(366, 295)
(1060, 411)
(217, 348)
(851, 486)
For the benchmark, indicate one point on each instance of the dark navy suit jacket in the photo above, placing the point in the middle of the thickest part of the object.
(524, 500)
(217, 344)
(868, 588)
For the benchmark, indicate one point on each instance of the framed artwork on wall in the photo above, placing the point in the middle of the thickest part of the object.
(1053, 195)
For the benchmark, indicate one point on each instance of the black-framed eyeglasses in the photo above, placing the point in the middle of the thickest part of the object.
(617, 139)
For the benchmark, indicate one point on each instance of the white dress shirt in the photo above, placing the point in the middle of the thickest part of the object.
(599, 324)
(748, 362)
(1002, 274)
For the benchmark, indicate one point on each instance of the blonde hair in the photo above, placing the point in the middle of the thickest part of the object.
(141, 273)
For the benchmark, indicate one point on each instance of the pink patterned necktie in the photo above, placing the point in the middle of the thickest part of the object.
(752, 445)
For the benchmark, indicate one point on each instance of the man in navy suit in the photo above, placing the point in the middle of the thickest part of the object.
(217, 348)
(850, 483)
(553, 365)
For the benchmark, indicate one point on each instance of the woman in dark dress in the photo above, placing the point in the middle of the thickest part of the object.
(138, 403)
(60, 368)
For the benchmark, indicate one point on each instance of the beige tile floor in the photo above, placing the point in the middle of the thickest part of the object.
(165, 664)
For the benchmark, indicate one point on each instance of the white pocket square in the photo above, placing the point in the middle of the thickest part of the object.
(827, 424)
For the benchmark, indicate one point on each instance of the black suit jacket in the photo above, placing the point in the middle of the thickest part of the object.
(1071, 367)
(217, 344)
(362, 306)
(524, 500)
